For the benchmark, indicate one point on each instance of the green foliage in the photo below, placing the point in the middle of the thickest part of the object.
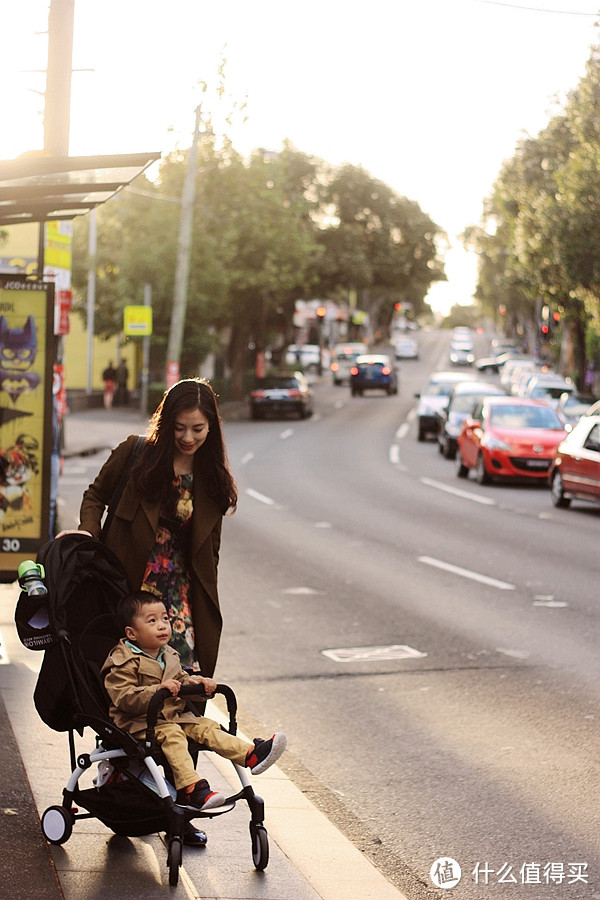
(268, 230)
(538, 246)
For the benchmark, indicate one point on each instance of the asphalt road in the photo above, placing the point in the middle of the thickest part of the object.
(429, 645)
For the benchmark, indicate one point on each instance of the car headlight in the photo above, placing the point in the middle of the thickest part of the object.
(494, 443)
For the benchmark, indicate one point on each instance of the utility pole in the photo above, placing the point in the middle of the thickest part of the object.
(182, 271)
(57, 98)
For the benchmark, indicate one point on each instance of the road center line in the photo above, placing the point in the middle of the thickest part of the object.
(466, 573)
(466, 495)
(260, 497)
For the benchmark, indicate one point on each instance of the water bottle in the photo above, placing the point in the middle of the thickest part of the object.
(30, 578)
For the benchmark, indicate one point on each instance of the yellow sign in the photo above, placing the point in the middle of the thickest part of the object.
(137, 320)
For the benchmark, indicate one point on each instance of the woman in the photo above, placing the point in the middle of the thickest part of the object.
(166, 527)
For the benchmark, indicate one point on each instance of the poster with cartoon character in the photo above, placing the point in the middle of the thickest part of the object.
(26, 358)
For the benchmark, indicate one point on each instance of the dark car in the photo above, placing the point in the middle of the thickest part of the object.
(575, 472)
(281, 394)
(371, 372)
(461, 401)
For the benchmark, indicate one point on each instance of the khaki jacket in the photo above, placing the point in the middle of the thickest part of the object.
(132, 533)
(133, 679)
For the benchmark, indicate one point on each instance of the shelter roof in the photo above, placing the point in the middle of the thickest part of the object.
(42, 188)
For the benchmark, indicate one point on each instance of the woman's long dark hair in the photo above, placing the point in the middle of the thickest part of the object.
(154, 470)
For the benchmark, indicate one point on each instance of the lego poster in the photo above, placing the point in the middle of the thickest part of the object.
(26, 358)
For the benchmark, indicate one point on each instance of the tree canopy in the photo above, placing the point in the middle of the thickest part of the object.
(541, 230)
(268, 230)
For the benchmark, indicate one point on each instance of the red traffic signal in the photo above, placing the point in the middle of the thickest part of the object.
(321, 312)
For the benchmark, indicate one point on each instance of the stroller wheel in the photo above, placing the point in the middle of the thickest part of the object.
(174, 860)
(57, 824)
(260, 847)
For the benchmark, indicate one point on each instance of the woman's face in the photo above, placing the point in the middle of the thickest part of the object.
(191, 430)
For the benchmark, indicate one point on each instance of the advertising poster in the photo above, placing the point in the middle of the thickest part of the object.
(26, 376)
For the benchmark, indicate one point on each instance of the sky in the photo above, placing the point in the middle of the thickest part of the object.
(429, 96)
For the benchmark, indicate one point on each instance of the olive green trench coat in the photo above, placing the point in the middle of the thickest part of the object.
(131, 537)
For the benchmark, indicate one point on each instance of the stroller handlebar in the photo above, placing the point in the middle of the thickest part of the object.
(189, 690)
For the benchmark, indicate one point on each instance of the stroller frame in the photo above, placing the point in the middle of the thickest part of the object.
(75, 624)
(57, 821)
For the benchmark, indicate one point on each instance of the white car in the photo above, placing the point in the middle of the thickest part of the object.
(343, 358)
(306, 356)
(406, 348)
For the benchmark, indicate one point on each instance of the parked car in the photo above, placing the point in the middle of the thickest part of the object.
(509, 437)
(433, 396)
(496, 363)
(572, 406)
(548, 387)
(306, 356)
(373, 372)
(510, 366)
(462, 353)
(406, 348)
(575, 472)
(343, 358)
(460, 404)
(280, 395)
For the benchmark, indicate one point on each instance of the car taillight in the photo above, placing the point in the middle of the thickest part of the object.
(295, 394)
(385, 370)
(354, 370)
(334, 367)
(257, 394)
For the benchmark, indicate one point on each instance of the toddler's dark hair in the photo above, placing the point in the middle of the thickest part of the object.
(128, 607)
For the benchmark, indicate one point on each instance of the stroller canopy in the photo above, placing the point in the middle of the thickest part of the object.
(85, 581)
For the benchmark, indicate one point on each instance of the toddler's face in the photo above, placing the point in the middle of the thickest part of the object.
(151, 628)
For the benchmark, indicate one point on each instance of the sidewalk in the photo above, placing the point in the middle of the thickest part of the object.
(309, 857)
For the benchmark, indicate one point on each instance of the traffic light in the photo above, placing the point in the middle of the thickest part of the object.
(321, 312)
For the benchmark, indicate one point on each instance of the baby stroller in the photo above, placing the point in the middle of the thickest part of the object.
(75, 623)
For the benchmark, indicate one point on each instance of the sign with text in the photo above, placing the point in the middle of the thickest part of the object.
(137, 320)
(26, 360)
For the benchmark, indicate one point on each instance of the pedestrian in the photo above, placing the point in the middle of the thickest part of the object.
(140, 665)
(122, 396)
(166, 526)
(109, 376)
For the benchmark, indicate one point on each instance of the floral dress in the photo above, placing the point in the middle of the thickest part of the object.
(167, 571)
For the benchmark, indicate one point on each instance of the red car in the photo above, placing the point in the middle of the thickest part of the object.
(509, 437)
(575, 472)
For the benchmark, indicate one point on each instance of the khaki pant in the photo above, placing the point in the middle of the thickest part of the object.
(172, 737)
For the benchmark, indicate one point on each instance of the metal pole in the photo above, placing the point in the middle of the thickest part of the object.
(183, 260)
(145, 358)
(91, 299)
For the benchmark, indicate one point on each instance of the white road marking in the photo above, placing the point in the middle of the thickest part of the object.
(466, 495)
(394, 454)
(299, 591)
(286, 434)
(3, 654)
(323, 525)
(402, 431)
(514, 654)
(373, 654)
(466, 573)
(262, 498)
(247, 457)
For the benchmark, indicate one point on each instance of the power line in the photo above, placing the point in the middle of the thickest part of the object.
(560, 12)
